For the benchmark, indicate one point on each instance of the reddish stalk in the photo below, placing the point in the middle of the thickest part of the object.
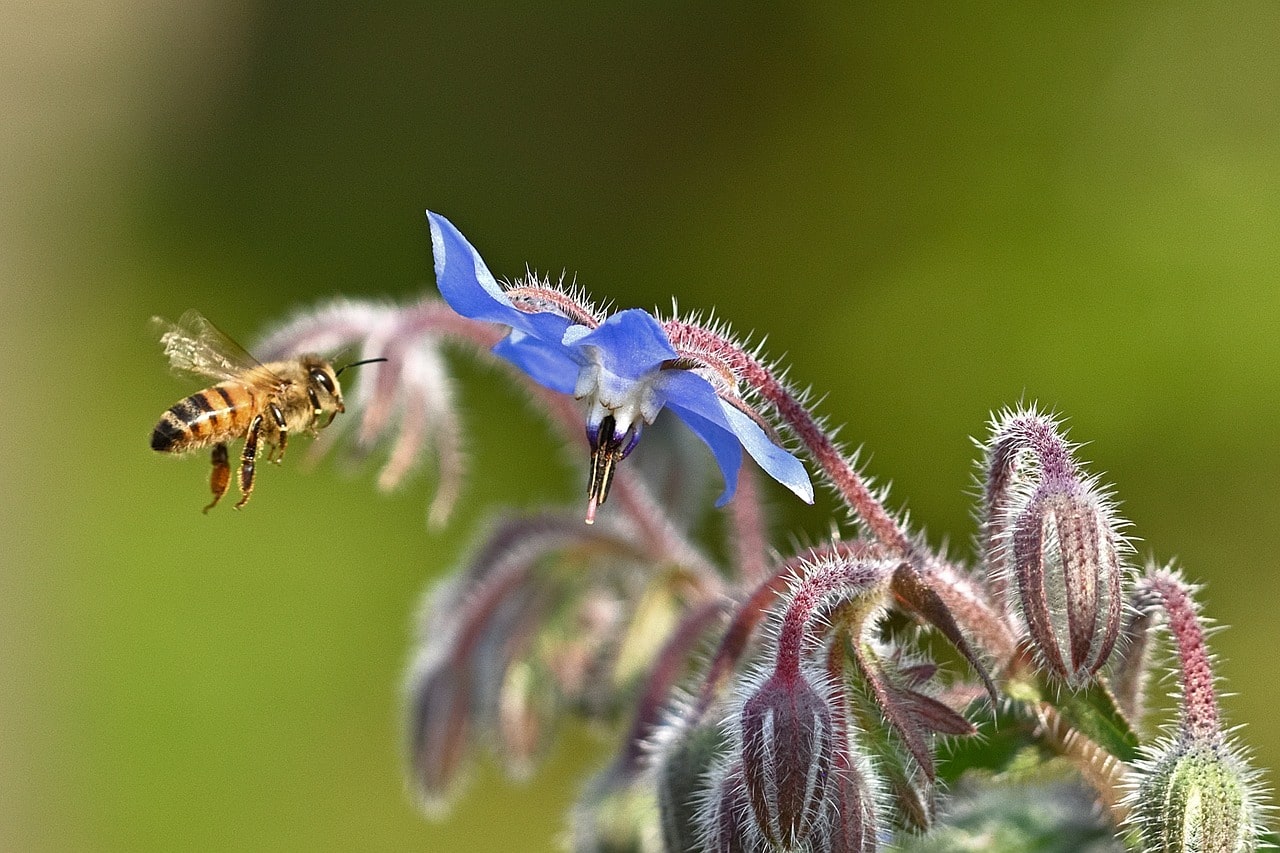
(1201, 720)
(815, 591)
(749, 541)
(754, 609)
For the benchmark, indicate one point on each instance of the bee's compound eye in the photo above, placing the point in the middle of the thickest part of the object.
(322, 379)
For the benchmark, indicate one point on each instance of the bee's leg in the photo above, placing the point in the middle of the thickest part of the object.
(248, 457)
(220, 478)
(282, 432)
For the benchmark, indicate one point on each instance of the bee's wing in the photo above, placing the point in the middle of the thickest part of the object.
(195, 345)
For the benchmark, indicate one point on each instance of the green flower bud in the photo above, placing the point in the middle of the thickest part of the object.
(1195, 799)
(687, 753)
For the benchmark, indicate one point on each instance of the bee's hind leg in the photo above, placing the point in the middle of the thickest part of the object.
(248, 457)
(282, 433)
(220, 477)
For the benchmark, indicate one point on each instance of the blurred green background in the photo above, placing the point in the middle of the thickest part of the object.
(932, 212)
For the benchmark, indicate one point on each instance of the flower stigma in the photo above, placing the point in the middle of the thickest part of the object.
(608, 448)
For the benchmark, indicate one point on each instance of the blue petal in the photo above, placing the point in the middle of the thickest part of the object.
(548, 364)
(776, 462)
(630, 343)
(695, 401)
(464, 280)
(471, 290)
(723, 444)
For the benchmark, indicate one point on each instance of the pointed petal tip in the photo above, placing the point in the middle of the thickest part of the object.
(803, 488)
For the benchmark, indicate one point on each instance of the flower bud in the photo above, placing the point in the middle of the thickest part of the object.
(726, 817)
(786, 756)
(1194, 798)
(1196, 792)
(688, 749)
(439, 733)
(851, 824)
(1069, 577)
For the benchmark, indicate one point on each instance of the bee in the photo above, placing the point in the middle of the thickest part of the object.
(261, 403)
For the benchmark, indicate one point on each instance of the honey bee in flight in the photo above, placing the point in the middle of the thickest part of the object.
(261, 403)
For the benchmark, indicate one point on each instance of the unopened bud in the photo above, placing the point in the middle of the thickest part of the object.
(1195, 798)
(787, 750)
(1051, 545)
(852, 824)
(687, 752)
(1069, 578)
(726, 821)
(1197, 792)
(439, 730)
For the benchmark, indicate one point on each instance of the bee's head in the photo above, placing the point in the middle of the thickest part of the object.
(323, 387)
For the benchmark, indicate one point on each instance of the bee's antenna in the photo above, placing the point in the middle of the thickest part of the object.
(357, 364)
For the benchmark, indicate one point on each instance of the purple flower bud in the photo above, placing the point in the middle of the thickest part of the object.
(1051, 545)
(1068, 575)
(787, 739)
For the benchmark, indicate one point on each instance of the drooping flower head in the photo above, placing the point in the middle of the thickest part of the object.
(623, 365)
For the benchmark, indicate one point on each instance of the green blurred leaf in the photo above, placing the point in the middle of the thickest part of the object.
(1094, 713)
(1047, 816)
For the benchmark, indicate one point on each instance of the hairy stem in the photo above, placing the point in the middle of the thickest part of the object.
(862, 581)
(749, 539)
(752, 611)
(1201, 719)
(1105, 774)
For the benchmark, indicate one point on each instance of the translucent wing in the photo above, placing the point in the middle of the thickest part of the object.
(195, 345)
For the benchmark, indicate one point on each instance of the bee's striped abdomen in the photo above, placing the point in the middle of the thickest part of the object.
(210, 416)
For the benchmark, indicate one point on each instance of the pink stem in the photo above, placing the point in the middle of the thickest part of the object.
(815, 591)
(754, 609)
(749, 540)
(972, 609)
(1200, 715)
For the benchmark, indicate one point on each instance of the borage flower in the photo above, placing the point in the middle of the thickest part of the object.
(623, 365)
